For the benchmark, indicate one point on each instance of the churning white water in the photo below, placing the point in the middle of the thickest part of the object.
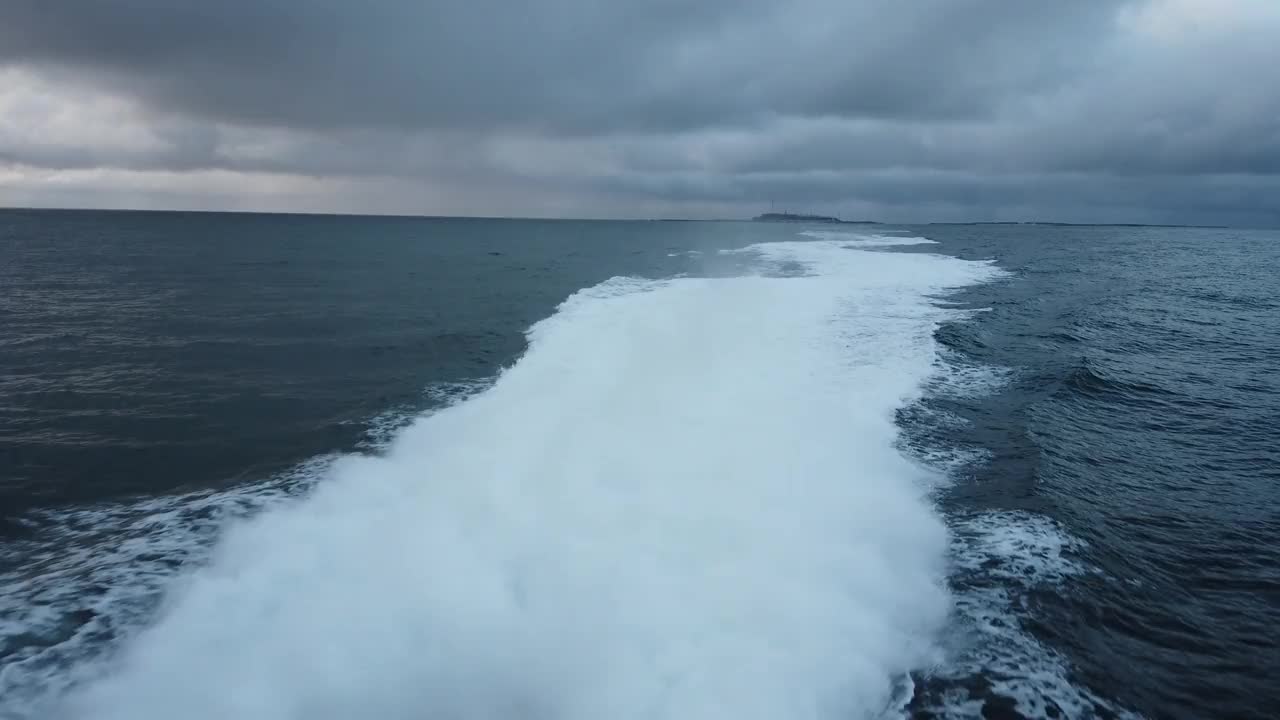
(684, 501)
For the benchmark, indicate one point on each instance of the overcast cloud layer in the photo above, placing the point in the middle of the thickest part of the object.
(1088, 110)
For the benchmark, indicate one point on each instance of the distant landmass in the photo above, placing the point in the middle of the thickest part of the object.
(805, 218)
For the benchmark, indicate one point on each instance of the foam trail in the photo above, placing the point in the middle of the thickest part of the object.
(855, 239)
(682, 502)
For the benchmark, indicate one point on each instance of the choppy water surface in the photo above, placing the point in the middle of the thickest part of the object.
(279, 467)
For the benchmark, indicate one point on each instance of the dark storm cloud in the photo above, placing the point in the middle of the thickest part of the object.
(947, 109)
(558, 65)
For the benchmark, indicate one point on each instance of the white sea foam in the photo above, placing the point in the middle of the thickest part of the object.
(381, 429)
(857, 239)
(88, 574)
(684, 501)
(960, 378)
(954, 377)
(998, 558)
(1017, 548)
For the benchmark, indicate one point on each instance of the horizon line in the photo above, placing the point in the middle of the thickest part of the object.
(339, 214)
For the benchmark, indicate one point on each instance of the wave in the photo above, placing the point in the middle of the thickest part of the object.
(76, 581)
(1089, 379)
(84, 577)
(996, 666)
(684, 500)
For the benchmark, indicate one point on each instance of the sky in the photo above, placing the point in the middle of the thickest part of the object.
(895, 110)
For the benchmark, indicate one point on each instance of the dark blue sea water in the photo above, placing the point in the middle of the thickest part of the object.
(289, 466)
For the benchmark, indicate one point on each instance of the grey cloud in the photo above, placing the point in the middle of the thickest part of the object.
(558, 65)
(938, 109)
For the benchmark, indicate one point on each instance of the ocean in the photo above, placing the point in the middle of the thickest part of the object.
(273, 466)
